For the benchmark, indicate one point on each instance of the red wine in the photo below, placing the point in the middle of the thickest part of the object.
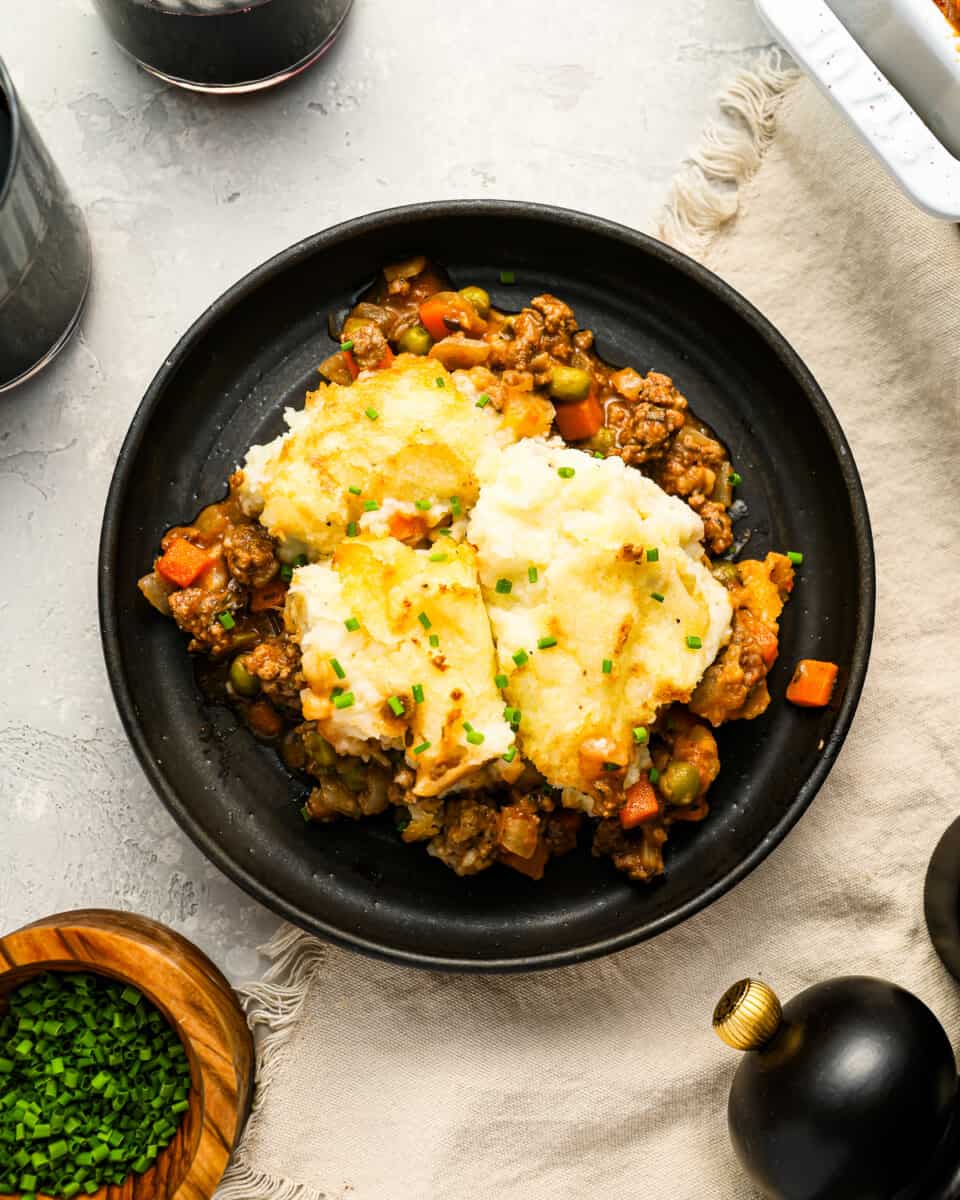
(44, 249)
(224, 44)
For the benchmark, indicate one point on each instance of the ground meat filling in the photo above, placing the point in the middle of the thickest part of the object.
(645, 416)
(639, 854)
(370, 347)
(468, 841)
(691, 468)
(196, 610)
(734, 686)
(250, 556)
(276, 663)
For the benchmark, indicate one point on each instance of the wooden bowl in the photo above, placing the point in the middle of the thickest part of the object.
(199, 1004)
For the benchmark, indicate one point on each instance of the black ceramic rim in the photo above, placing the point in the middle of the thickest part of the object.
(9, 93)
(571, 222)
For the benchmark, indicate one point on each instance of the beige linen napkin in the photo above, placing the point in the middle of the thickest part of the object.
(383, 1083)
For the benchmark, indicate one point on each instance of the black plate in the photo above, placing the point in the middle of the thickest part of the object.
(224, 387)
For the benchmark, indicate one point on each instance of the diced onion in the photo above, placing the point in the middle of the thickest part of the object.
(157, 591)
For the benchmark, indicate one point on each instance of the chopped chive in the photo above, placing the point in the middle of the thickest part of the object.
(483, 401)
(348, 345)
(338, 691)
(510, 755)
(508, 277)
(795, 557)
(545, 643)
(656, 596)
(653, 555)
(608, 766)
(337, 669)
(423, 505)
(417, 690)
(371, 413)
(735, 479)
(607, 666)
(396, 706)
(508, 715)
(226, 620)
(370, 506)
(521, 657)
(353, 529)
(344, 701)
(468, 727)
(424, 746)
(439, 556)
(354, 491)
(424, 620)
(599, 454)
(440, 382)
(653, 775)
(300, 561)
(500, 680)
(445, 531)
(504, 587)
(694, 642)
(455, 506)
(286, 573)
(434, 640)
(532, 574)
(352, 624)
(566, 472)
(474, 738)
(640, 735)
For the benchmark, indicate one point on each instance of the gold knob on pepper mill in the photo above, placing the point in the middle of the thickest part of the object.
(747, 1015)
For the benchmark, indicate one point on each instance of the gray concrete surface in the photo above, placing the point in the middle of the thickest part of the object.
(589, 105)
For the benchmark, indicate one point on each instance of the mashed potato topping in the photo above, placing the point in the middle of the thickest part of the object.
(369, 452)
(438, 703)
(586, 563)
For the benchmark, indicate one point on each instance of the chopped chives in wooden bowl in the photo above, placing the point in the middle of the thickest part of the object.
(94, 1083)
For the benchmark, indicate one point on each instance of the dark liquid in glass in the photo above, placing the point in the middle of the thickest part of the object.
(44, 250)
(224, 44)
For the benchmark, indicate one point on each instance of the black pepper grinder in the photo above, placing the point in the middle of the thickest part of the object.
(849, 1092)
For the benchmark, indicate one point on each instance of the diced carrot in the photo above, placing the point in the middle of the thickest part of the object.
(640, 804)
(812, 683)
(446, 312)
(581, 419)
(355, 370)
(532, 866)
(767, 644)
(404, 526)
(271, 595)
(183, 563)
(264, 719)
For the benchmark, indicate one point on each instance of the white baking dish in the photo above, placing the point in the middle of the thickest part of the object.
(893, 68)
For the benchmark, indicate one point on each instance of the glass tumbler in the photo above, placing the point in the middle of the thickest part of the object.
(224, 45)
(44, 248)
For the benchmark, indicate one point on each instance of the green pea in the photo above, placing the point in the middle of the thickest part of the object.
(414, 340)
(680, 783)
(319, 750)
(242, 682)
(570, 383)
(353, 774)
(479, 299)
